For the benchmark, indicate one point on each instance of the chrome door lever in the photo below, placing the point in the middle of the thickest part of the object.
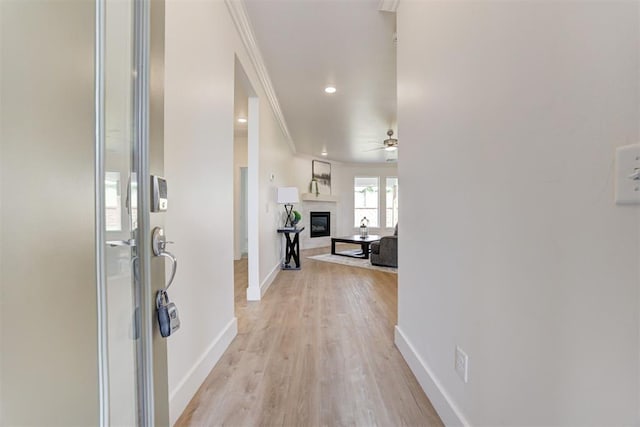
(158, 245)
(115, 243)
(174, 267)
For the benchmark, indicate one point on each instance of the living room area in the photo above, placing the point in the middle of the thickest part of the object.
(354, 211)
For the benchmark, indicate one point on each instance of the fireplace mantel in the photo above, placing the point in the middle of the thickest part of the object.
(310, 197)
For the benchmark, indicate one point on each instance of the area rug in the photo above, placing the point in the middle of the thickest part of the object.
(353, 262)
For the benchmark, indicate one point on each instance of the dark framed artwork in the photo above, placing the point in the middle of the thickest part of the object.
(321, 172)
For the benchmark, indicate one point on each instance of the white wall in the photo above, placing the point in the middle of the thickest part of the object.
(47, 284)
(198, 166)
(275, 158)
(201, 45)
(510, 113)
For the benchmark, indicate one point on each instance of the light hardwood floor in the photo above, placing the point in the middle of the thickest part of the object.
(317, 350)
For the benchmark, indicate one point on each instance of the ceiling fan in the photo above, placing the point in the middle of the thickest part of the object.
(390, 144)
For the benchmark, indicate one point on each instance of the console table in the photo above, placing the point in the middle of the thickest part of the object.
(293, 247)
(364, 243)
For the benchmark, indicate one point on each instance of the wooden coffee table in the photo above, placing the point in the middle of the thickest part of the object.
(364, 243)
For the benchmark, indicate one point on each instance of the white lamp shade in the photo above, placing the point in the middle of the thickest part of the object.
(287, 195)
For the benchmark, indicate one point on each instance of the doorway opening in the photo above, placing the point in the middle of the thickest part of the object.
(245, 186)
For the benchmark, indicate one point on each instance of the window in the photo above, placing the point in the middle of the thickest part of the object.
(392, 202)
(366, 200)
(113, 201)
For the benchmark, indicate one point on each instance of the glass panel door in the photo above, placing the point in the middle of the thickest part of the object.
(119, 147)
(120, 214)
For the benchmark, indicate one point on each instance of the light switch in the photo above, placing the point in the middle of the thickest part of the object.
(627, 175)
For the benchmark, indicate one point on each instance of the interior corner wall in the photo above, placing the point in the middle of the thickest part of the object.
(510, 113)
(48, 312)
(202, 44)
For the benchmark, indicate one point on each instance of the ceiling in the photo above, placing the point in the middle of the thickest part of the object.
(310, 44)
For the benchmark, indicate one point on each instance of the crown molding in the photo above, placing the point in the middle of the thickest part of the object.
(240, 18)
(388, 5)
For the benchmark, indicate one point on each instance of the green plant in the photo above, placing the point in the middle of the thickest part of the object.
(296, 217)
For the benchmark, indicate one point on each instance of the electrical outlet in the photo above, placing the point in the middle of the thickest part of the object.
(462, 364)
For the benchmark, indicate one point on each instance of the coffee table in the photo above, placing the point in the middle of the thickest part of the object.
(364, 243)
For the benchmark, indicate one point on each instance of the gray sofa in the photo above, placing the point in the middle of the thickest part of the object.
(385, 252)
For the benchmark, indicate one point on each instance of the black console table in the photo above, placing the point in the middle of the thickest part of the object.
(293, 247)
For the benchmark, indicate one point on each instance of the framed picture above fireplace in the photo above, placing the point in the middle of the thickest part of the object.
(321, 173)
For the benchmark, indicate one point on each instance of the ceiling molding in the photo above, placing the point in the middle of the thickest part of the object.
(240, 18)
(388, 5)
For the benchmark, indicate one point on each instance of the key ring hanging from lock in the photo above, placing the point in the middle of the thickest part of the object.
(159, 244)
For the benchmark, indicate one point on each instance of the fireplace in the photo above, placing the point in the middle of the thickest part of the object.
(320, 224)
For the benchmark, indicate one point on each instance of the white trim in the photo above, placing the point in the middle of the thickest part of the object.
(101, 275)
(388, 5)
(270, 278)
(253, 198)
(182, 394)
(254, 293)
(240, 18)
(448, 411)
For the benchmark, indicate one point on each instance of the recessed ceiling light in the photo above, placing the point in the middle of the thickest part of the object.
(330, 89)
(242, 120)
(324, 153)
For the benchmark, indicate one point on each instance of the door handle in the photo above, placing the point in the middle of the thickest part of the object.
(114, 243)
(174, 267)
(158, 245)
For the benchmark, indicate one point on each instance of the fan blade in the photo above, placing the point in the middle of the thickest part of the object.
(375, 149)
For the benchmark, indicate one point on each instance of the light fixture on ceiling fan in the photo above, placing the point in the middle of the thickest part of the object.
(390, 144)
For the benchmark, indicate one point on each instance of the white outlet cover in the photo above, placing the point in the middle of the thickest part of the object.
(462, 364)
(627, 161)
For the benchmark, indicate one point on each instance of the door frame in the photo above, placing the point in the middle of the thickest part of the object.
(144, 369)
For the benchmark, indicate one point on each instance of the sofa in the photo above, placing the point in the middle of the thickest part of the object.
(385, 251)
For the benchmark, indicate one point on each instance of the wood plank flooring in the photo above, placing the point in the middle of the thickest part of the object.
(316, 351)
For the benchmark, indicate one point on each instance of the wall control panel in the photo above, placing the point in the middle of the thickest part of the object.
(159, 200)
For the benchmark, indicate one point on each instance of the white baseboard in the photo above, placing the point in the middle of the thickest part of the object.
(270, 278)
(255, 294)
(442, 402)
(180, 397)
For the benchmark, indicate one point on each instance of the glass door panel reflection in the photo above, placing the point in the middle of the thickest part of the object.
(120, 215)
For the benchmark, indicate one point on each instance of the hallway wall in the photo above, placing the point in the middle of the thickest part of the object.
(510, 113)
(48, 316)
(201, 46)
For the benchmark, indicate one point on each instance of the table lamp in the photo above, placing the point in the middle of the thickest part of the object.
(287, 196)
